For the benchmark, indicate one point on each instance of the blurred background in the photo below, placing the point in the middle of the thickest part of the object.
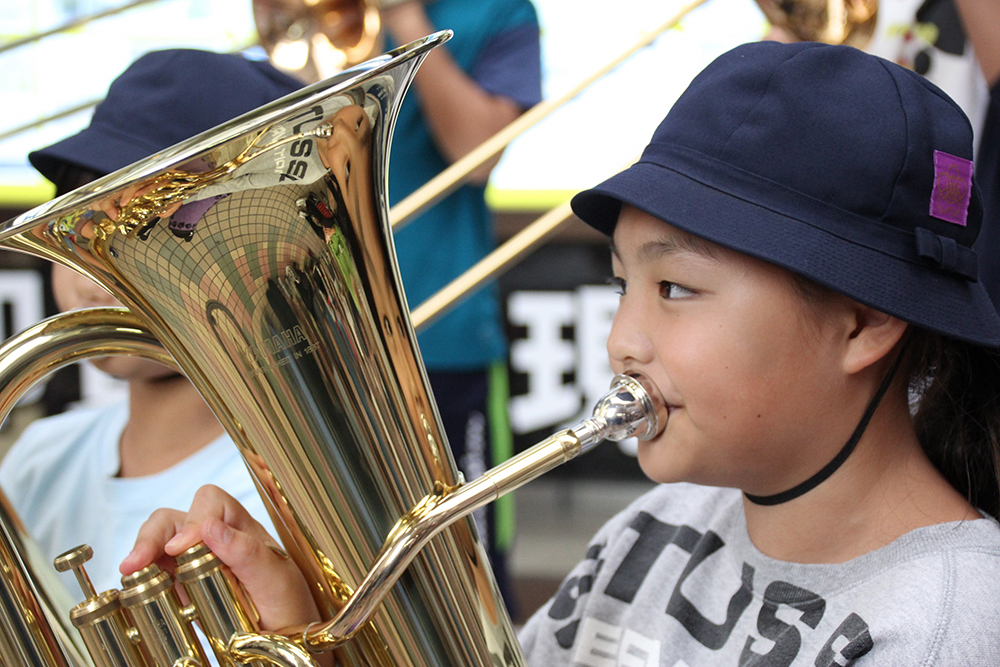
(558, 305)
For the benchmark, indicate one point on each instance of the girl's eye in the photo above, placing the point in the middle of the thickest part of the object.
(669, 290)
(619, 284)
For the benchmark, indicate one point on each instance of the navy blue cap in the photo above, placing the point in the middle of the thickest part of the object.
(163, 98)
(837, 165)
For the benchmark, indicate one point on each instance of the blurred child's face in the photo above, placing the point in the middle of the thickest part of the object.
(347, 154)
(749, 370)
(73, 291)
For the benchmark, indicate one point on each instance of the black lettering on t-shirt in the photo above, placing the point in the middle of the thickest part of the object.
(297, 170)
(787, 639)
(653, 537)
(711, 635)
(311, 114)
(564, 602)
(859, 641)
(566, 635)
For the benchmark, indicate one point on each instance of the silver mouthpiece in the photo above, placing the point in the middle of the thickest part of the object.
(627, 410)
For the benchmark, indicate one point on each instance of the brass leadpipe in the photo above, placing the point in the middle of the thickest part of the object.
(627, 410)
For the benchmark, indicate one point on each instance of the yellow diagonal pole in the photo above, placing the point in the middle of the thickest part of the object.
(449, 179)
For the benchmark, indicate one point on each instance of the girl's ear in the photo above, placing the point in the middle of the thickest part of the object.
(873, 336)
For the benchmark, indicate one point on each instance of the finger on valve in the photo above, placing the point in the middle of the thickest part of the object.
(273, 581)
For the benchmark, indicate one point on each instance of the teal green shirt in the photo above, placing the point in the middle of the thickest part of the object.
(495, 42)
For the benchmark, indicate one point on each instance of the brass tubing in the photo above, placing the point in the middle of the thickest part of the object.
(64, 339)
(219, 603)
(106, 634)
(449, 179)
(432, 515)
(268, 649)
(312, 365)
(155, 610)
(33, 628)
(530, 464)
(39, 638)
(628, 409)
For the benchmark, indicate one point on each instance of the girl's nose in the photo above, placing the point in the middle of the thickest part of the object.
(350, 120)
(628, 344)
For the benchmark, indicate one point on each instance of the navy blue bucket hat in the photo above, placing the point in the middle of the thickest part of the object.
(163, 98)
(832, 163)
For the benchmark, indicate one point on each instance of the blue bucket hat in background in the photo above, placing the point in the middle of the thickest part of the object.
(163, 98)
(837, 165)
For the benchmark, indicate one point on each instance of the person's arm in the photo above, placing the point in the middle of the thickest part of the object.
(981, 19)
(461, 115)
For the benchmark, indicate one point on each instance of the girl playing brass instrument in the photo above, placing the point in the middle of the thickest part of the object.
(794, 252)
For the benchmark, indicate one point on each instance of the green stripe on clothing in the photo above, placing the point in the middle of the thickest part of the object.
(502, 440)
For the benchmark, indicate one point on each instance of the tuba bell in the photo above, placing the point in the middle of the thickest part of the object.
(282, 303)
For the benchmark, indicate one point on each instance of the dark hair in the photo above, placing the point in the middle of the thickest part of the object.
(957, 419)
(954, 390)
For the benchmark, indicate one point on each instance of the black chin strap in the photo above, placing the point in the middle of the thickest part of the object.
(842, 455)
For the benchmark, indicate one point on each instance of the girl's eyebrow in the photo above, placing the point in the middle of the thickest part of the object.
(653, 250)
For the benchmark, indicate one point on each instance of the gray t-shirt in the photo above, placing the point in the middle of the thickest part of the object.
(674, 580)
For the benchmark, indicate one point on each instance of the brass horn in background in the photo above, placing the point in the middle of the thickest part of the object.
(850, 22)
(315, 39)
(310, 38)
(283, 305)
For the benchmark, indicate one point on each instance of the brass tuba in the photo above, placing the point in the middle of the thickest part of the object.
(281, 302)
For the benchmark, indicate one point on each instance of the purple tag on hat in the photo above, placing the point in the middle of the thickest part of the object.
(952, 188)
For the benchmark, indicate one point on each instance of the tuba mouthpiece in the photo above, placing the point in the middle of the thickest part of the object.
(633, 407)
